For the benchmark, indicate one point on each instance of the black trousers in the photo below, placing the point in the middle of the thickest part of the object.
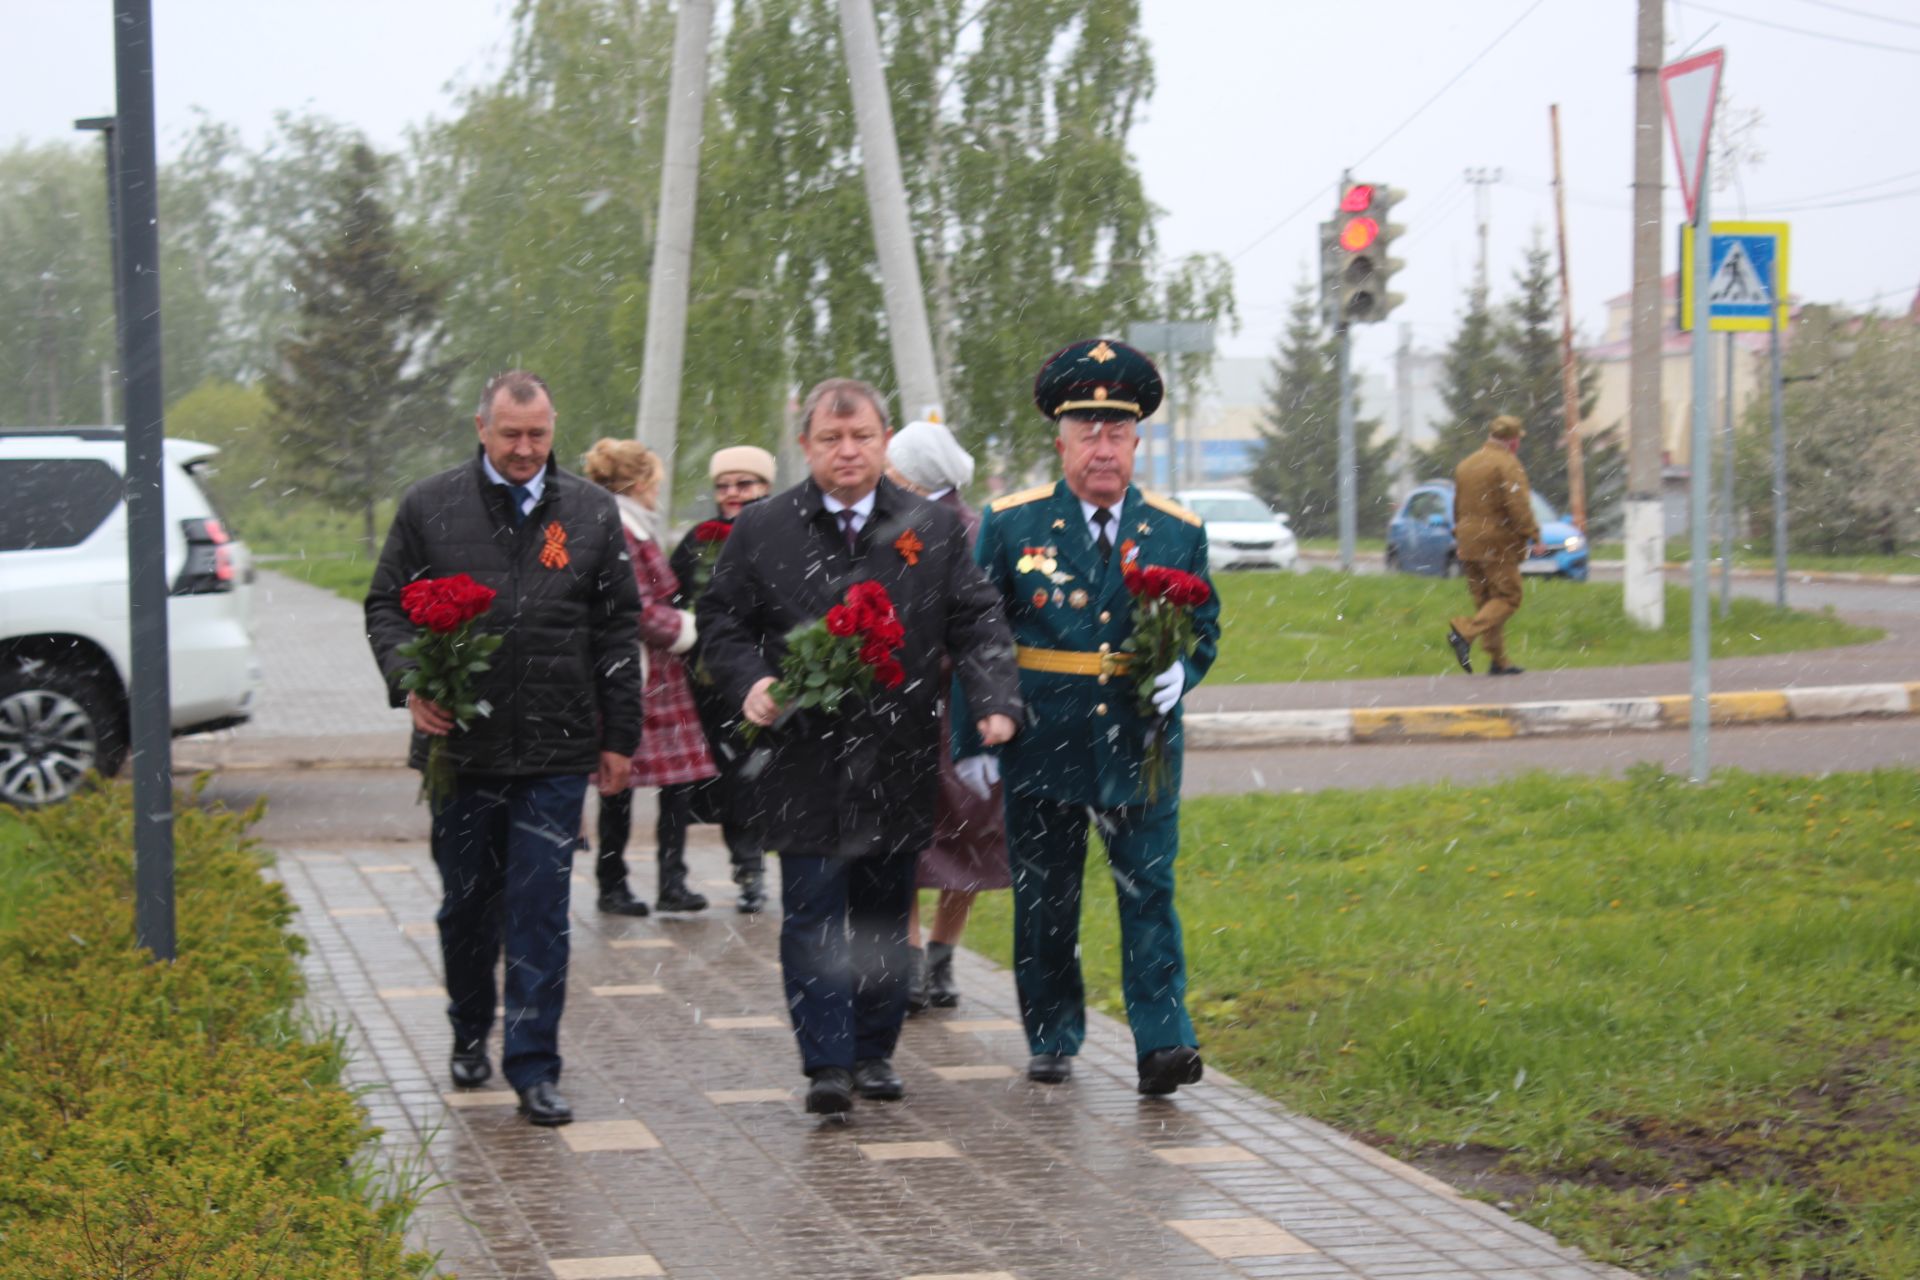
(616, 829)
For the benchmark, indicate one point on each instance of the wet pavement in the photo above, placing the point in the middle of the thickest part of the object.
(692, 1156)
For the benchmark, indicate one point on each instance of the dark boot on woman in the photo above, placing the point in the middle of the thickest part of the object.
(674, 893)
(941, 991)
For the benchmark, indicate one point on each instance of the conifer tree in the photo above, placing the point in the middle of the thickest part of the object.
(1296, 466)
(358, 384)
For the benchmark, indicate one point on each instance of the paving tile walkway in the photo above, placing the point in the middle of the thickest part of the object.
(692, 1155)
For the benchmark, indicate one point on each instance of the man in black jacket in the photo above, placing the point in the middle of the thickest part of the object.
(561, 702)
(848, 799)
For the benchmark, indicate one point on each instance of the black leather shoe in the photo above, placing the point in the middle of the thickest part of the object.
(876, 1079)
(1049, 1068)
(1164, 1070)
(831, 1092)
(469, 1066)
(677, 897)
(1462, 649)
(621, 902)
(543, 1105)
(1506, 671)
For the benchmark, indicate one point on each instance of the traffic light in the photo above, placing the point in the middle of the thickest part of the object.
(1355, 265)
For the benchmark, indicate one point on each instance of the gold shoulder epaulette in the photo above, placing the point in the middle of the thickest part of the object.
(1022, 498)
(1160, 502)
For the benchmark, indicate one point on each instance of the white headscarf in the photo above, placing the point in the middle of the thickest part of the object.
(927, 454)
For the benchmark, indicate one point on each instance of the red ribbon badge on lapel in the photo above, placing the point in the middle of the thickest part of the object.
(554, 553)
(909, 546)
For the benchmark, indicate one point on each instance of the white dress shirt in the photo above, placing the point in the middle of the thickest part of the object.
(861, 509)
(535, 486)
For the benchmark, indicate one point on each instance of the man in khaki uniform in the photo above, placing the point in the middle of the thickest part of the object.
(1493, 528)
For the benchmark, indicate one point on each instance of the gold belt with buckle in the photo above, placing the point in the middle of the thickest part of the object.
(1072, 662)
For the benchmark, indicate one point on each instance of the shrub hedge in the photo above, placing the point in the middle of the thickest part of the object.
(170, 1120)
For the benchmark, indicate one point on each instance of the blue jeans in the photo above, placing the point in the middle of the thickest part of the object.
(504, 847)
(843, 952)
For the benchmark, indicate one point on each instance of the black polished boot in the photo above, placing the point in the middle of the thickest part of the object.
(941, 992)
(468, 1065)
(676, 805)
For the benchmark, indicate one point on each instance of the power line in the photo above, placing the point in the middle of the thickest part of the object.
(1848, 204)
(1397, 129)
(1862, 13)
(1864, 186)
(1799, 31)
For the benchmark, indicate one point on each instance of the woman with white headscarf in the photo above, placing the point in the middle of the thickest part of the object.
(969, 849)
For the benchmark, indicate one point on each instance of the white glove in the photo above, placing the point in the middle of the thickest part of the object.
(1168, 686)
(978, 774)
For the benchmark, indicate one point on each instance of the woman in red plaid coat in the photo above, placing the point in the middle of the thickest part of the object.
(673, 753)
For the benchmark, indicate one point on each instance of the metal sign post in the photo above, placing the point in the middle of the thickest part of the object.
(1779, 461)
(1348, 464)
(1689, 89)
(151, 714)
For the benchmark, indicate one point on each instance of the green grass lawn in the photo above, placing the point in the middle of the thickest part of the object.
(1331, 626)
(1759, 555)
(1677, 1026)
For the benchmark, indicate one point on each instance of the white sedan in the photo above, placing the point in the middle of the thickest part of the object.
(1242, 531)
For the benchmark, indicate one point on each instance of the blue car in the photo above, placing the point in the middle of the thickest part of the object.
(1420, 538)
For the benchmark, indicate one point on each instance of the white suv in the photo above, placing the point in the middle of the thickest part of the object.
(64, 653)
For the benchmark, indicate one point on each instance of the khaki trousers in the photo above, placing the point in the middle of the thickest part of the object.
(1495, 587)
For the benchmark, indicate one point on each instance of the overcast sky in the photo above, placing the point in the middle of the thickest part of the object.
(1259, 105)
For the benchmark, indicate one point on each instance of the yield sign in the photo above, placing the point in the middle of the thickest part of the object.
(1689, 89)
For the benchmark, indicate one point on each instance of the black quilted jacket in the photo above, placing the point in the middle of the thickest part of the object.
(565, 684)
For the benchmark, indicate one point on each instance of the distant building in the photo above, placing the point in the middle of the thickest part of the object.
(1611, 358)
(1232, 409)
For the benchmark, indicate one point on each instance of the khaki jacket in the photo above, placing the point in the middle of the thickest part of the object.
(1492, 507)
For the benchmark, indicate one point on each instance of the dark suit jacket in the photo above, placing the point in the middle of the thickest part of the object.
(863, 781)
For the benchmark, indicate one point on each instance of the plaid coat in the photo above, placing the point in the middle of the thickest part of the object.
(673, 747)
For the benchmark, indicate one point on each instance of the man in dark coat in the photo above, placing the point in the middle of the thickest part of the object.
(1493, 529)
(741, 474)
(561, 702)
(848, 799)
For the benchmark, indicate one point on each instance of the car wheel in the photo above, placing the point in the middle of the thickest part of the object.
(56, 726)
(1392, 561)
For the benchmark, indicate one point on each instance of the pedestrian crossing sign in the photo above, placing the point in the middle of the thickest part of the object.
(1746, 272)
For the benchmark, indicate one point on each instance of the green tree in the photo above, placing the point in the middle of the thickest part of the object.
(1476, 382)
(541, 195)
(1852, 417)
(56, 287)
(359, 385)
(1296, 464)
(1536, 393)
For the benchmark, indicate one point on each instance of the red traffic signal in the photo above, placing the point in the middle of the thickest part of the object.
(1358, 234)
(1357, 199)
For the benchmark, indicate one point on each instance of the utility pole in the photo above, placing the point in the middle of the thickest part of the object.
(907, 327)
(1646, 600)
(658, 421)
(150, 711)
(1403, 412)
(1348, 463)
(1480, 180)
(1569, 370)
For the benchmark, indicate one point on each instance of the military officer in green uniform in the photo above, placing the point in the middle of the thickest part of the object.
(1056, 553)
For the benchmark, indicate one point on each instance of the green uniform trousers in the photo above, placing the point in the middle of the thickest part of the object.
(1047, 844)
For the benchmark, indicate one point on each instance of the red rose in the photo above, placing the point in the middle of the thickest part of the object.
(841, 621)
(889, 673)
(874, 652)
(711, 531)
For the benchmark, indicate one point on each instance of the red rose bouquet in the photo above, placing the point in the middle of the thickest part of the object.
(709, 536)
(842, 654)
(447, 656)
(1163, 603)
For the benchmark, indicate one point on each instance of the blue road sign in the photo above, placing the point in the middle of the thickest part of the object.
(1746, 269)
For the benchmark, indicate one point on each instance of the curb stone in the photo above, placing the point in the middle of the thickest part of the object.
(1239, 730)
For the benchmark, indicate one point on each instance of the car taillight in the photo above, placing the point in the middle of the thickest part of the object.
(209, 564)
